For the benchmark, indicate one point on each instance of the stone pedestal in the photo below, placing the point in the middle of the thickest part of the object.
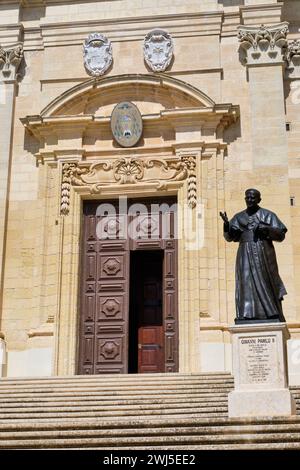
(260, 371)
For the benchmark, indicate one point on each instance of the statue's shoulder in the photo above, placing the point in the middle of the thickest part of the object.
(240, 215)
(266, 213)
(271, 218)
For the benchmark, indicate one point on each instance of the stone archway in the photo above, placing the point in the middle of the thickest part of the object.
(181, 153)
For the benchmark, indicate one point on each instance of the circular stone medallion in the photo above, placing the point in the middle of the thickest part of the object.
(126, 124)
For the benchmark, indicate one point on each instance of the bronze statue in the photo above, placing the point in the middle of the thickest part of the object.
(259, 288)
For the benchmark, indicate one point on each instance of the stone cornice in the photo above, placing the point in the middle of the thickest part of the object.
(210, 117)
(122, 29)
(261, 13)
(11, 34)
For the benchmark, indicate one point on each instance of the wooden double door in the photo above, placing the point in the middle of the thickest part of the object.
(128, 307)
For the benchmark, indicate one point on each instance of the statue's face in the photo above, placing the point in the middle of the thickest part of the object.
(252, 199)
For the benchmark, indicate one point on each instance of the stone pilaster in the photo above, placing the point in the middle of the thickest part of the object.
(262, 51)
(10, 59)
(189, 245)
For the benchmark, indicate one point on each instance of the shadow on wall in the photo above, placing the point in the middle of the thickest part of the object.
(233, 132)
(231, 3)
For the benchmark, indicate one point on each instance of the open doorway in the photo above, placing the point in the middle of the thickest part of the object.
(146, 329)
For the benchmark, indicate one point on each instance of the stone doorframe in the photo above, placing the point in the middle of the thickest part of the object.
(190, 166)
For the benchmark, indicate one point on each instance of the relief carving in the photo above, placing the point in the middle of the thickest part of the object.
(111, 266)
(158, 50)
(128, 171)
(264, 44)
(10, 60)
(97, 54)
(292, 58)
(109, 350)
(110, 307)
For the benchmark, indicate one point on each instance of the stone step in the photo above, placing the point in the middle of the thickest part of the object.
(47, 401)
(58, 413)
(158, 431)
(116, 393)
(106, 388)
(150, 411)
(116, 418)
(163, 377)
(114, 403)
(133, 423)
(188, 447)
(120, 407)
(142, 441)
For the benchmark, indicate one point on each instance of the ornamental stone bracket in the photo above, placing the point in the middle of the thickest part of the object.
(262, 45)
(10, 60)
(292, 59)
(121, 173)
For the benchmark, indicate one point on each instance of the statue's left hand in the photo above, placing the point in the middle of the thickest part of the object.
(263, 231)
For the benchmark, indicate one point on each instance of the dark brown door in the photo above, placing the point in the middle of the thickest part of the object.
(107, 341)
(103, 341)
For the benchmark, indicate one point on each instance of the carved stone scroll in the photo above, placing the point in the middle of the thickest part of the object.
(128, 171)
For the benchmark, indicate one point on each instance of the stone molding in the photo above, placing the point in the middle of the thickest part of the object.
(157, 173)
(262, 45)
(266, 13)
(10, 60)
(120, 29)
(292, 58)
(11, 35)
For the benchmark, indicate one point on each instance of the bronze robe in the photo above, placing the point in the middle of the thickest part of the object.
(259, 288)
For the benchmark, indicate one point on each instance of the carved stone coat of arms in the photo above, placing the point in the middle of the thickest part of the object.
(126, 124)
(97, 54)
(158, 50)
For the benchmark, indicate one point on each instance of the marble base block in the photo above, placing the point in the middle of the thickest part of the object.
(261, 403)
(260, 371)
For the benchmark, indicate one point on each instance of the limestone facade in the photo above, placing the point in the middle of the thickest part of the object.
(225, 111)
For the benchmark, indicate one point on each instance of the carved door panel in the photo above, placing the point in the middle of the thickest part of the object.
(104, 304)
(170, 302)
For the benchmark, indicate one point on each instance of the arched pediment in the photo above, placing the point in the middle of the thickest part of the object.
(77, 122)
(148, 92)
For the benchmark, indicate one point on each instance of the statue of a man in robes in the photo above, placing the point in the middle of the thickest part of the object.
(259, 288)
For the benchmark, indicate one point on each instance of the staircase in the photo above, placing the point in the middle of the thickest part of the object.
(153, 411)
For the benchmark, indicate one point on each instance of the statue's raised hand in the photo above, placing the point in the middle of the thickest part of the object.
(223, 215)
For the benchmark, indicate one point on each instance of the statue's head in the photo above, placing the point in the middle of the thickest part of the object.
(252, 197)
